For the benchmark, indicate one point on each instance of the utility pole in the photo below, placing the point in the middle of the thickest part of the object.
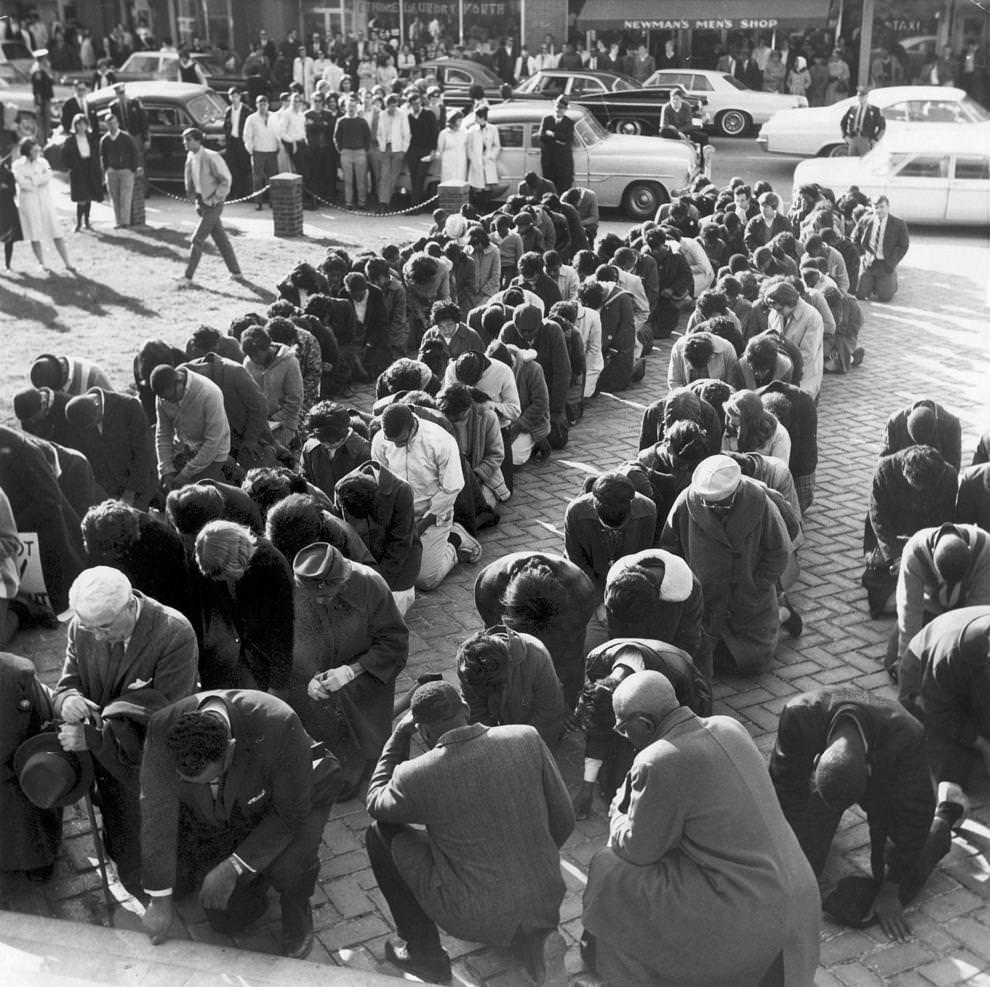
(865, 43)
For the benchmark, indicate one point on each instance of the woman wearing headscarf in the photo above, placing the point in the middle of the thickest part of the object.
(799, 78)
(749, 427)
(247, 618)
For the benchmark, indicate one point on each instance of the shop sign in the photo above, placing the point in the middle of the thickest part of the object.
(702, 24)
(472, 8)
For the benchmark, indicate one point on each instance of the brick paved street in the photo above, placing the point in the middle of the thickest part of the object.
(939, 311)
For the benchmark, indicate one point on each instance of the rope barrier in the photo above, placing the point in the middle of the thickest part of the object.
(229, 202)
(362, 212)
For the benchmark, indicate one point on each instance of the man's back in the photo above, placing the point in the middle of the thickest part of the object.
(495, 810)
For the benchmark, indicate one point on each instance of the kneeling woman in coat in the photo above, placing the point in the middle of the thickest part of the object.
(350, 645)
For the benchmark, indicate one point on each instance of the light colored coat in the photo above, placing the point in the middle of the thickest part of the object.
(738, 563)
(214, 176)
(483, 149)
(703, 882)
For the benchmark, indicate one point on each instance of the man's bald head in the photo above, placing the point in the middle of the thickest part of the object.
(645, 693)
(952, 556)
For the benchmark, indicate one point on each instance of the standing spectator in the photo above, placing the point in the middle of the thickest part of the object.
(422, 142)
(302, 72)
(235, 153)
(838, 77)
(556, 146)
(43, 89)
(320, 123)
(292, 133)
(10, 223)
(352, 139)
(207, 181)
(452, 149)
(734, 539)
(751, 72)
(77, 104)
(495, 812)
(819, 76)
(121, 164)
(799, 78)
(774, 73)
(393, 144)
(483, 150)
(35, 206)
(133, 119)
(863, 124)
(81, 154)
(882, 240)
(261, 141)
(643, 65)
(192, 436)
(276, 371)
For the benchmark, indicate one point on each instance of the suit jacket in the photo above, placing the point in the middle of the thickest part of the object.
(214, 176)
(947, 438)
(896, 239)
(973, 499)
(121, 451)
(132, 117)
(70, 108)
(496, 811)
(874, 123)
(269, 782)
(161, 654)
(232, 131)
(698, 841)
(898, 801)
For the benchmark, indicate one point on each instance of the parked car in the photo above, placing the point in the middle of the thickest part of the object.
(635, 173)
(456, 76)
(937, 174)
(16, 53)
(733, 108)
(171, 107)
(16, 92)
(817, 131)
(142, 66)
(617, 101)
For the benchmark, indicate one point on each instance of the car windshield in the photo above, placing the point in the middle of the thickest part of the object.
(973, 111)
(529, 85)
(207, 108)
(732, 81)
(880, 161)
(11, 75)
(624, 85)
(589, 130)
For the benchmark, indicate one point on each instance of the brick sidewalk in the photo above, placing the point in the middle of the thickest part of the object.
(935, 313)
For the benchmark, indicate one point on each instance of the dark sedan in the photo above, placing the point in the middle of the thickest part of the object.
(171, 107)
(457, 76)
(619, 103)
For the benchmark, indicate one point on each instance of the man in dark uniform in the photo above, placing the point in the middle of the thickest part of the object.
(236, 155)
(556, 144)
(77, 104)
(319, 136)
(862, 125)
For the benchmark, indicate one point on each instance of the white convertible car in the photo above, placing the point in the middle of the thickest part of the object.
(817, 132)
(935, 175)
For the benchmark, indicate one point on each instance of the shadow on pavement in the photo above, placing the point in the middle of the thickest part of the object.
(15, 303)
(81, 292)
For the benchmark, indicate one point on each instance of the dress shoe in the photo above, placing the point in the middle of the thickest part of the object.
(432, 969)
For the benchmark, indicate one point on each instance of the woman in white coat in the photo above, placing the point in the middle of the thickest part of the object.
(35, 205)
(452, 150)
(483, 149)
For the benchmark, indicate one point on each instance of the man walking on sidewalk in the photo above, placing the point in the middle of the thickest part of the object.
(207, 183)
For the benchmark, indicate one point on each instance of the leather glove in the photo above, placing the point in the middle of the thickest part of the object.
(78, 709)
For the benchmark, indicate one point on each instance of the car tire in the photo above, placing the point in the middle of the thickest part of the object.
(27, 125)
(835, 151)
(733, 123)
(634, 127)
(641, 200)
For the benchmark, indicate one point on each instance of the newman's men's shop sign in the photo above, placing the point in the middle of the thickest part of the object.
(701, 15)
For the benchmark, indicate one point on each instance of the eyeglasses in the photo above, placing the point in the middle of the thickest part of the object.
(622, 726)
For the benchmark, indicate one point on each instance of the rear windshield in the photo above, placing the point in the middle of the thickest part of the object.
(207, 108)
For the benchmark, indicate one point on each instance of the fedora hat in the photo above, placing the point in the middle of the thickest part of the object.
(50, 777)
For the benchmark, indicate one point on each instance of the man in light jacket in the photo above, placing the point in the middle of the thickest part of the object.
(207, 184)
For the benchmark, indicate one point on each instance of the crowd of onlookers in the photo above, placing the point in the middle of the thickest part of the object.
(235, 541)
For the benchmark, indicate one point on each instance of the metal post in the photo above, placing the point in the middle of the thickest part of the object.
(865, 44)
(402, 23)
(522, 22)
(460, 20)
(838, 21)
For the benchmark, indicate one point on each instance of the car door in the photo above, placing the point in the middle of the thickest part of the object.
(969, 190)
(166, 157)
(517, 156)
(920, 187)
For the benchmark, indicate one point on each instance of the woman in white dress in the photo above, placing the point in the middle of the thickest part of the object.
(452, 149)
(35, 205)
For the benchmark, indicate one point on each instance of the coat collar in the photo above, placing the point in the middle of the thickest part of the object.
(461, 735)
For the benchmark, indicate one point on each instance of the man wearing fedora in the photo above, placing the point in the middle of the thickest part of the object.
(121, 644)
(229, 776)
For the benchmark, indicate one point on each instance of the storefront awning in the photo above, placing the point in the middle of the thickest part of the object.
(712, 15)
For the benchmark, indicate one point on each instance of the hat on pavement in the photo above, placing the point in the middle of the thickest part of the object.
(97, 595)
(50, 777)
(716, 478)
(315, 561)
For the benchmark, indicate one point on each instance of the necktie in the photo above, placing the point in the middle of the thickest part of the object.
(875, 245)
(858, 131)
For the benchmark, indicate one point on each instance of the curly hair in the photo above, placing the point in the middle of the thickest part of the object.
(109, 531)
(533, 598)
(195, 740)
(444, 310)
(267, 485)
(224, 549)
(298, 521)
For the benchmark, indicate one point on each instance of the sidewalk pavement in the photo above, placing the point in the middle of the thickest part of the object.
(929, 342)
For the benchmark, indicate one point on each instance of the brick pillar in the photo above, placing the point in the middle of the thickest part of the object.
(137, 202)
(287, 204)
(453, 195)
